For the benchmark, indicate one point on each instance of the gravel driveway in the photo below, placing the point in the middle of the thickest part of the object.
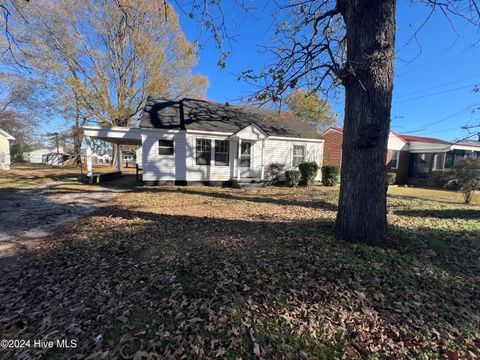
(34, 213)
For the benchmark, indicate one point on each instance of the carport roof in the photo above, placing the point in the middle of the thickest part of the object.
(117, 135)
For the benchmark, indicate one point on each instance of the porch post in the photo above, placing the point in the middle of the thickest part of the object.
(119, 158)
(88, 142)
(263, 164)
(239, 154)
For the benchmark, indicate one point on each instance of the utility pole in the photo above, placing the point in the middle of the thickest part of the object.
(56, 142)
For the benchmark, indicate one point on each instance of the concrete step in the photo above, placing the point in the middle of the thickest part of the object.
(247, 184)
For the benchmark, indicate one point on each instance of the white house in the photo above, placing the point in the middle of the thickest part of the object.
(46, 156)
(5, 140)
(96, 158)
(195, 141)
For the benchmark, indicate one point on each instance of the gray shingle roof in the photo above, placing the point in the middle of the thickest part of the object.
(469, 143)
(191, 114)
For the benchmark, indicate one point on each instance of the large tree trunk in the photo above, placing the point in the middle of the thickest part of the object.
(370, 28)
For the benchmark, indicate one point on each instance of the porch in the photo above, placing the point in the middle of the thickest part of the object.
(246, 166)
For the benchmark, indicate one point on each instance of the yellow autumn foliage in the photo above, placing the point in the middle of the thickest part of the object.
(107, 56)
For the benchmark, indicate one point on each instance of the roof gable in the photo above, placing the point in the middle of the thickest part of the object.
(333, 129)
(251, 132)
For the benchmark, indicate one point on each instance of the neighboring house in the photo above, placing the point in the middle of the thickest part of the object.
(199, 141)
(104, 159)
(415, 159)
(46, 156)
(97, 159)
(332, 148)
(129, 158)
(5, 141)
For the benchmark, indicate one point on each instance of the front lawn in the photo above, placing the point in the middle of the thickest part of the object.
(201, 272)
(24, 176)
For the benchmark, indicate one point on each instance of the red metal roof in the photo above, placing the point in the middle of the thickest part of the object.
(406, 138)
(409, 138)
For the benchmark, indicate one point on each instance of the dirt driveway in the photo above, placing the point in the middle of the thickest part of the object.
(36, 212)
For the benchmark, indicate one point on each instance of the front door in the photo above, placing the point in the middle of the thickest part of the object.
(246, 159)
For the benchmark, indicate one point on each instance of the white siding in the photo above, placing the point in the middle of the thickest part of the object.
(419, 147)
(251, 132)
(163, 167)
(36, 156)
(282, 151)
(4, 152)
(395, 143)
(210, 172)
(182, 166)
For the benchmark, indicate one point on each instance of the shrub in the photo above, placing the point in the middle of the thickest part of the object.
(274, 172)
(330, 175)
(467, 174)
(391, 177)
(308, 172)
(451, 185)
(292, 177)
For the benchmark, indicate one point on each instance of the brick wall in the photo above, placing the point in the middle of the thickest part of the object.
(332, 155)
(402, 171)
(332, 148)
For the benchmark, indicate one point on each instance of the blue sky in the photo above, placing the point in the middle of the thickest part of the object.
(433, 83)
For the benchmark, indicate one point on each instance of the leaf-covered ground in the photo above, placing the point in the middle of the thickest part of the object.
(24, 176)
(198, 272)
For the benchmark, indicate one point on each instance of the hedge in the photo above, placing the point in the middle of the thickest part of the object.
(391, 177)
(308, 172)
(330, 175)
(292, 177)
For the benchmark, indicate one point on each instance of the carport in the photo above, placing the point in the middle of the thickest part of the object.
(112, 134)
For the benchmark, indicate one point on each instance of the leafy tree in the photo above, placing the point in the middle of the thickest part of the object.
(22, 110)
(101, 59)
(467, 174)
(322, 44)
(311, 108)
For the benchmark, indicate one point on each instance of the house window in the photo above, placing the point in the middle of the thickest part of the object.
(471, 154)
(458, 155)
(449, 160)
(221, 152)
(165, 147)
(204, 151)
(245, 154)
(419, 167)
(298, 155)
(394, 161)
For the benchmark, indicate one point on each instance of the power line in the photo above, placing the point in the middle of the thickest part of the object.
(442, 130)
(424, 127)
(434, 94)
(438, 86)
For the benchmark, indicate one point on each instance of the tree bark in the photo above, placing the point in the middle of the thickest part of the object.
(368, 82)
(115, 158)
